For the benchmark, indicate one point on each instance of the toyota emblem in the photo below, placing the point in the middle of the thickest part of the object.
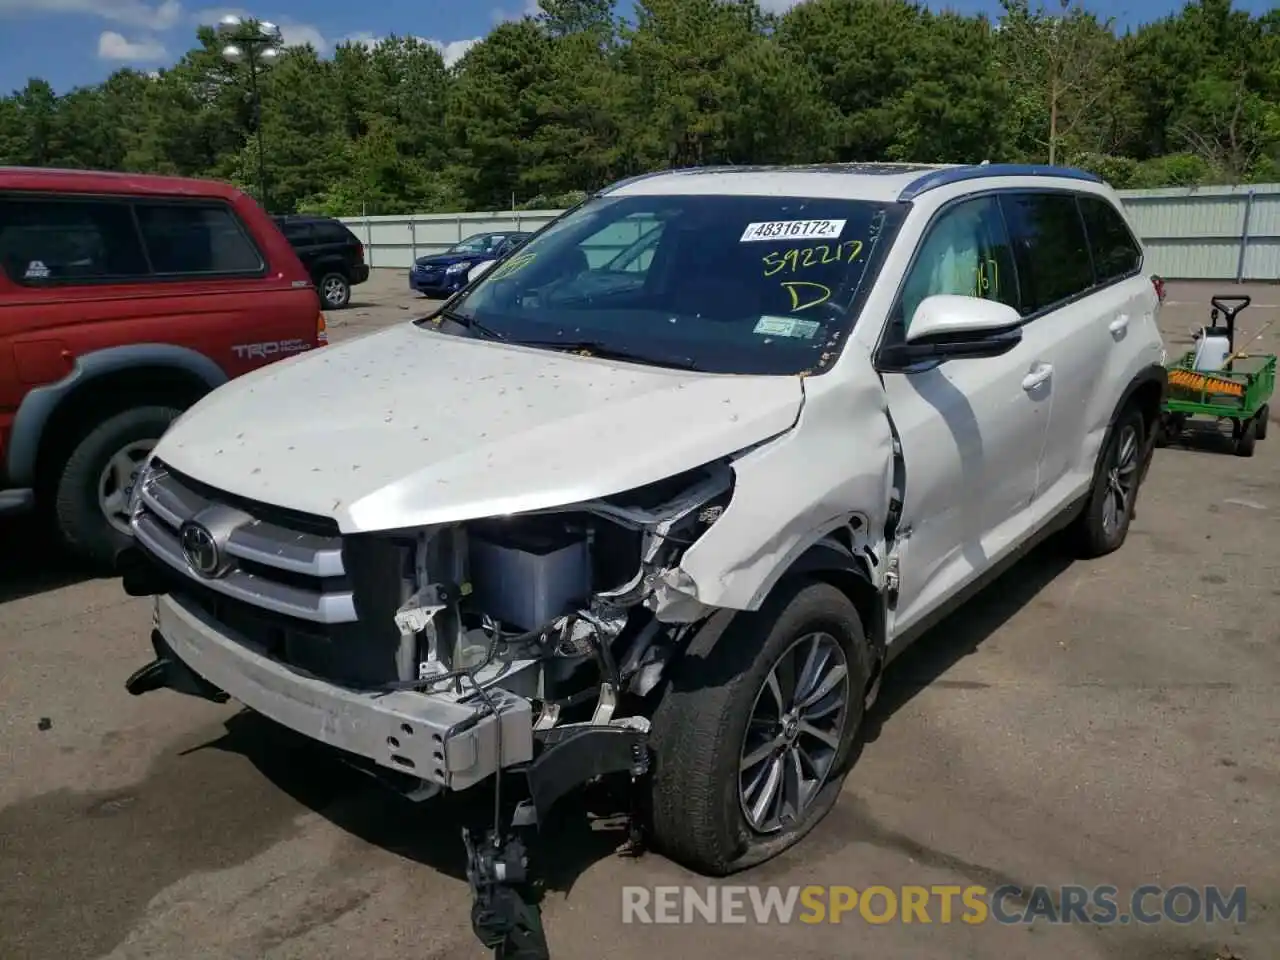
(200, 549)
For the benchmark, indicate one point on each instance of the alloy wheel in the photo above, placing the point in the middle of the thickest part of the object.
(794, 733)
(115, 483)
(333, 291)
(1122, 479)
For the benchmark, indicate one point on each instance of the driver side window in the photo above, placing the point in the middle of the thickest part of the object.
(965, 252)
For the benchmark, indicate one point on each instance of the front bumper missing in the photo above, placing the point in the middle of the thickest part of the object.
(453, 744)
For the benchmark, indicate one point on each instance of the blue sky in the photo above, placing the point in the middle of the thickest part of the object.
(73, 42)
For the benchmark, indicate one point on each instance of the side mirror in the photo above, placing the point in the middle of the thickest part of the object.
(946, 327)
(479, 270)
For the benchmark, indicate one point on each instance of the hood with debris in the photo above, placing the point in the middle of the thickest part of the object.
(410, 427)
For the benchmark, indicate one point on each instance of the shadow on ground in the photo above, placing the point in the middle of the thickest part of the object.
(582, 830)
(591, 825)
(923, 663)
(31, 562)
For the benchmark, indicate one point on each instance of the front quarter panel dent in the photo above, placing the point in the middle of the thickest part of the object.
(789, 494)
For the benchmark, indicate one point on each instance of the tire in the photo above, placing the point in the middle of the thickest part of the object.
(697, 816)
(1247, 440)
(334, 290)
(1262, 418)
(79, 514)
(1104, 524)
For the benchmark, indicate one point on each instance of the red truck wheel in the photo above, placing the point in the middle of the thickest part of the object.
(92, 502)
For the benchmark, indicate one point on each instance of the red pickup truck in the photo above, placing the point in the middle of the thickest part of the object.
(123, 300)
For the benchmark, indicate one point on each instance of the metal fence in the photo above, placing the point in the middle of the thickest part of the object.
(1193, 233)
(1210, 233)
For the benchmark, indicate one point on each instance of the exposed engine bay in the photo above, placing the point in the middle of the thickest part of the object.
(554, 607)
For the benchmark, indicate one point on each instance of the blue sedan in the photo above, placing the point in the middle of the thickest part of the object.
(441, 275)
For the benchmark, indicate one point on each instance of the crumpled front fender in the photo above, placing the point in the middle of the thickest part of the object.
(833, 469)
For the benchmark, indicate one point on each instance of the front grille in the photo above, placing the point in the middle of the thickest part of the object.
(295, 572)
(293, 586)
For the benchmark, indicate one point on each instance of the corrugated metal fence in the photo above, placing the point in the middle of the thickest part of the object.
(1197, 233)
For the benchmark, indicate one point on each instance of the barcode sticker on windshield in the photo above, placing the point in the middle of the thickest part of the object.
(793, 230)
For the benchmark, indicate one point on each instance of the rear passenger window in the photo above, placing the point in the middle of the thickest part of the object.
(1050, 247)
(54, 241)
(330, 232)
(297, 232)
(966, 252)
(196, 238)
(1115, 253)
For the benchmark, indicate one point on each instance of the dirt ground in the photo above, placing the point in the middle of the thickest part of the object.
(1114, 722)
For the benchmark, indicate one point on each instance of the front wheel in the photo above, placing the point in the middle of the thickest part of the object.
(1104, 524)
(91, 507)
(753, 738)
(1262, 418)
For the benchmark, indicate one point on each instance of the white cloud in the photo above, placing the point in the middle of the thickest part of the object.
(114, 46)
(133, 13)
(779, 6)
(454, 50)
(450, 50)
(300, 34)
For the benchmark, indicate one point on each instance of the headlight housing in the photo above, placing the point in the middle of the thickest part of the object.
(456, 268)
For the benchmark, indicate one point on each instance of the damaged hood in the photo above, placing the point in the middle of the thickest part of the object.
(410, 427)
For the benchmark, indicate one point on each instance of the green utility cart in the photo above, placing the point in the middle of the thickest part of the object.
(1238, 389)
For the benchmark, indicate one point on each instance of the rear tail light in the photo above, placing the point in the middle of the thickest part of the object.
(360, 251)
(322, 329)
(1158, 283)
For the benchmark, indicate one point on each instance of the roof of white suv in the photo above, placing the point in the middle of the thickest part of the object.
(881, 182)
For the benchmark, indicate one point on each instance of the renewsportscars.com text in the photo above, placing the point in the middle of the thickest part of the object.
(1104, 905)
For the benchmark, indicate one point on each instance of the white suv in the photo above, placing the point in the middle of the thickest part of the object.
(675, 479)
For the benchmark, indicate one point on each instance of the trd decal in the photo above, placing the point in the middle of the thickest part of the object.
(274, 348)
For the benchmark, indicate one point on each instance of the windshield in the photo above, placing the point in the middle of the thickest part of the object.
(728, 284)
(480, 243)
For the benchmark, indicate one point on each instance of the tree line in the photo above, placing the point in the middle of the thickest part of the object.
(577, 96)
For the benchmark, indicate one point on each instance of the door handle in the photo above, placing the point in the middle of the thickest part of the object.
(1038, 375)
(1119, 324)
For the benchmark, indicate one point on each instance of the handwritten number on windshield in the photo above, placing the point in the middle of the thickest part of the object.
(803, 258)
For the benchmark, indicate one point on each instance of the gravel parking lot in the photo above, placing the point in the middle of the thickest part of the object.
(1114, 722)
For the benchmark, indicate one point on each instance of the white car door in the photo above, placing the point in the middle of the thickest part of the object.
(971, 430)
(1085, 314)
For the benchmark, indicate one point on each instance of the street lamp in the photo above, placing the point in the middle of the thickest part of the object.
(256, 44)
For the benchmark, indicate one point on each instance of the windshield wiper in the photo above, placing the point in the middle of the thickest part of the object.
(471, 323)
(606, 351)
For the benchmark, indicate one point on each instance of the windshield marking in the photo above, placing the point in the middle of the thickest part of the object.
(777, 261)
(818, 293)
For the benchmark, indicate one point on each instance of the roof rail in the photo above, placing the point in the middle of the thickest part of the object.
(950, 175)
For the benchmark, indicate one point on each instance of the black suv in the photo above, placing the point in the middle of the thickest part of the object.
(332, 254)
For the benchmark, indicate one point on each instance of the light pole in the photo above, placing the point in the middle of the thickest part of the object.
(256, 44)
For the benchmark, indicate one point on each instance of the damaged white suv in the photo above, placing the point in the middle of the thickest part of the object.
(673, 481)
